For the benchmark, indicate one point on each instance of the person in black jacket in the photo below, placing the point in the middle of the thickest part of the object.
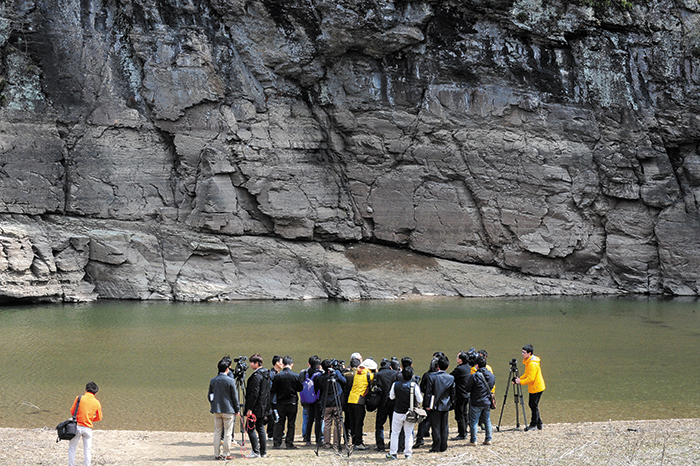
(257, 403)
(440, 393)
(330, 387)
(479, 386)
(349, 375)
(286, 386)
(385, 377)
(313, 409)
(461, 373)
(274, 370)
(424, 427)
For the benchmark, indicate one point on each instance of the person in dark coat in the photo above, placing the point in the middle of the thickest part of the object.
(440, 393)
(479, 386)
(385, 378)
(313, 409)
(461, 374)
(257, 403)
(424, 427)
(277, 367)
(286, 387)
(330, 387)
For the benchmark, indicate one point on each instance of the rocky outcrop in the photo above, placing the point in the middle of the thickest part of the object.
(231, 149)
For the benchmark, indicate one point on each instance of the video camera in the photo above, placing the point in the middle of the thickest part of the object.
(337, 365)
(471, 357)
(241, 367)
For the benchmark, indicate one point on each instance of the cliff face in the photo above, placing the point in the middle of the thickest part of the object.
(226, 149)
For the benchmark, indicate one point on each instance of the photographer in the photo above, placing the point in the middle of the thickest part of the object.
(257, 404)
(286, 386)
(330, 387)
(535, 385)
(479, 386)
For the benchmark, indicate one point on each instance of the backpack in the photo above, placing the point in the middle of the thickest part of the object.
(308, 393)
(374, 395)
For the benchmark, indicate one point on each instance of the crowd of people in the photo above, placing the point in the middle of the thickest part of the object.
(335, 399)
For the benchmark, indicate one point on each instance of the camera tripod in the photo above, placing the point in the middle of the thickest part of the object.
(240, 389)
(517, 396)
(332, 388)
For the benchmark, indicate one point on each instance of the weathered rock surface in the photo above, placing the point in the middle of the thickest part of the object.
(230, 149)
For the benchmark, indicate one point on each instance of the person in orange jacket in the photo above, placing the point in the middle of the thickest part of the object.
(535, 385)
(89, 411)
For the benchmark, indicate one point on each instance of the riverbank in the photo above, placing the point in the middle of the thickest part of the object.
(661, 442)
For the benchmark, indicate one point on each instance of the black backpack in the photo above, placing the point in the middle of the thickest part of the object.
(374, 396)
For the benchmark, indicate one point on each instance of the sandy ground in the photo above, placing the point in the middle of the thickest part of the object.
(667, 442)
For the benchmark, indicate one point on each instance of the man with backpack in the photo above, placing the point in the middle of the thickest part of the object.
(356, 400)
(309, 399)
(257, 404)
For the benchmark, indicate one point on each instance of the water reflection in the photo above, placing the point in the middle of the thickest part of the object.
(602, 358)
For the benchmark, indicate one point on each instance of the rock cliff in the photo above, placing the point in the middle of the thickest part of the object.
(234, 149)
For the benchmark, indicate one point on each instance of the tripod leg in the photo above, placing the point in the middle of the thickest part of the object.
(505, 398)
(522, 404)
(518, 396)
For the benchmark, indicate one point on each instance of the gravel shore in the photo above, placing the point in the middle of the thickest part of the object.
(659, 442)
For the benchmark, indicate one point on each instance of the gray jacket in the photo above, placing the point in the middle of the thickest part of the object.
(222, 395)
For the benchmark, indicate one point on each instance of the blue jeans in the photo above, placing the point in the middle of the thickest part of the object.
(475, 412)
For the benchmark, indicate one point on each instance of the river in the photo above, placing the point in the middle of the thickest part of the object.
(602, 358)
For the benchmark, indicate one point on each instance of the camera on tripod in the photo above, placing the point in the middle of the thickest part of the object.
(517, 395)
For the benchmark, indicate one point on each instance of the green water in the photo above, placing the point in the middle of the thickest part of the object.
(601, 358)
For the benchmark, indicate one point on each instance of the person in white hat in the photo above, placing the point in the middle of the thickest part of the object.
(356, 400)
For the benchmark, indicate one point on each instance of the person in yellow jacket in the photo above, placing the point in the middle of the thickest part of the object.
(356, 401)
(89, 411)
(535, 385)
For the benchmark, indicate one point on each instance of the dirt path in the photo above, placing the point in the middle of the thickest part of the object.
(668, 442)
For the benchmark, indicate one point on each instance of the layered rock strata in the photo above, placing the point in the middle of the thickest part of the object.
(230, 149)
